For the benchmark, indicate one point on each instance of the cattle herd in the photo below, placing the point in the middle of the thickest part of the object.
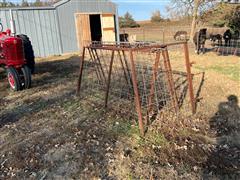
(224, 39)
(227, 39)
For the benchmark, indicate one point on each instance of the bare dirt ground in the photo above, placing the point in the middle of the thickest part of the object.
(48, 133)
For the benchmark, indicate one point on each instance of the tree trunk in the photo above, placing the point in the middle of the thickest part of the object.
(194, 20)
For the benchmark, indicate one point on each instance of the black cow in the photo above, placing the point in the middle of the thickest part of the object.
(199, 40)
(124, 37)
(216, 38)
(227, 36)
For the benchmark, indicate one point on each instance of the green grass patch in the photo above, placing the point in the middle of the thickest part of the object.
(154, 138)
(233, 72)
(122, 127)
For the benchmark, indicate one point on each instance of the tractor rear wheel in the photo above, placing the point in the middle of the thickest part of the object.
(13, 79)
(26, 80)
(28, 51)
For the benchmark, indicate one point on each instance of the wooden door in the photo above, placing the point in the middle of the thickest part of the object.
(108, 27)
(82, 22)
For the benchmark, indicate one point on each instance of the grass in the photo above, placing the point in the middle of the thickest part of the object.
(233, 71)
(76, 120)
(127, 129)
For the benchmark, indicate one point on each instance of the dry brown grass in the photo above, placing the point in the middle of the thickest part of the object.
(47, 132)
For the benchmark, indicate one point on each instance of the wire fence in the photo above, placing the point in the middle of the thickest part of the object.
(161, 35)
(230, 47)
(182, 33)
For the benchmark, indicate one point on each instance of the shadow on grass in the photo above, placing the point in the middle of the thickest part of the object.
(55, 71)
(224, 159)
(78, 145)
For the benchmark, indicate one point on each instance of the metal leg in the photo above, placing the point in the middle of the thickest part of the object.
(152, 88)
(80, 72)
(137, 98)
(109, 79)
(123, 68)
(189, 77)
(95, 65)
(170, 79)
(100, 65)
(128, 71)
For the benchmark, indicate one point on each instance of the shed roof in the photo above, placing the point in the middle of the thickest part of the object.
(54, 6)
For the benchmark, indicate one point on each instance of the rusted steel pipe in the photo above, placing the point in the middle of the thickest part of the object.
(80, 72)
(189, 77)
(154, 77)
(100, 64)
(109, 79)
(171, 83)
(95, 64)
(136, 93)
(123, 68)
(133, 47)
(128, 71)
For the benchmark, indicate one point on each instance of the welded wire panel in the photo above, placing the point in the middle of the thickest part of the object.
(231, 47)
(137, 80)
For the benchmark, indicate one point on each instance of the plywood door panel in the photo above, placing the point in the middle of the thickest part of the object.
(108, 27)
(83, 30)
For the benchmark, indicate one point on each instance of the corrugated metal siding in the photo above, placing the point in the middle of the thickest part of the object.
(52, 30)
(39, 25)
(67, 20)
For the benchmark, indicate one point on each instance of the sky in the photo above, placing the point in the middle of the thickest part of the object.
(140, 9)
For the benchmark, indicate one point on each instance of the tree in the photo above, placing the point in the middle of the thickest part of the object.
(233, 19)
(3, 3)
(38, 3)
(223, 14)
(127, 21)
(194, 8)
(156, 16)
(194, 19)
(24, 3)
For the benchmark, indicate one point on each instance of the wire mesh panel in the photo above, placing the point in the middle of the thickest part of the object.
(137, 80)
(230, 47)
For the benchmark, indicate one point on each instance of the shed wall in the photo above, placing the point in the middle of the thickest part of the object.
(52, 30)
(67, 20)
(39, 25)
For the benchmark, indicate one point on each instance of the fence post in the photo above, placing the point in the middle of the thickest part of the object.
(189, 77)
(144, 35)
(163, 36)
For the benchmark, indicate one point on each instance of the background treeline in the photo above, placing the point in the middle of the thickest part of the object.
(216, 14)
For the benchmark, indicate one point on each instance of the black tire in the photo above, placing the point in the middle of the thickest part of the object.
(26, 72)
(1, 27)
(28, 51)
(13, 79)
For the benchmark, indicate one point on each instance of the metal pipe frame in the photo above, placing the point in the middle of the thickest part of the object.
(169, 74)
(130, 73)
(109, 79)
(136, 93)
(154, 77)
(189, 77)
(81, 72)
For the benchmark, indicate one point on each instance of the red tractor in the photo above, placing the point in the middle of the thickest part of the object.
(17, 57)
